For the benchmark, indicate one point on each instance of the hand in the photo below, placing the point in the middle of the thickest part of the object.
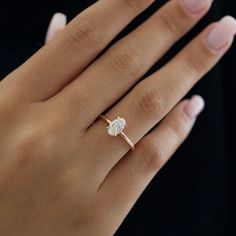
(61, 173)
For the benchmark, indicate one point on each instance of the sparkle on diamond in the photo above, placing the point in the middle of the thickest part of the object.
(116, 126)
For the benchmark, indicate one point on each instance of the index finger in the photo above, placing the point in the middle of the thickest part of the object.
(65, 57)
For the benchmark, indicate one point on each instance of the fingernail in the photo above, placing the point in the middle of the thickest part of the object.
(222, 33)
(59, 20)
(195, 6)
(57, 23)
(194, 107)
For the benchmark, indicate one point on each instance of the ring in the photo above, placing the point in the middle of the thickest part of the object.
(116, 127)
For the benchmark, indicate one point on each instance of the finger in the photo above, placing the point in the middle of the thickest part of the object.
(154, 97)
(113, 74)
(65, 57)
(58, 22)
(128, 179)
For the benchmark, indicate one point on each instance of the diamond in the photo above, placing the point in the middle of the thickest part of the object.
(116, 126)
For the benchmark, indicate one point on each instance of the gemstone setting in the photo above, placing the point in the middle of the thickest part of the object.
(116, 126)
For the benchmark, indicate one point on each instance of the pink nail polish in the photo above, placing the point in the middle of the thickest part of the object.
(194, 6)
(222, 33)
(58, 22)
(194, 107)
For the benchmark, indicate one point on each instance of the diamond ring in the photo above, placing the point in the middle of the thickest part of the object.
(116, 127)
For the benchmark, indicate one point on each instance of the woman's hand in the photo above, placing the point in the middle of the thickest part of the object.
(61, 173)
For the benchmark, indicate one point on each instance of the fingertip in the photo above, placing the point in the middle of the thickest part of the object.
(57, 23)
(195, 106)
(60, 19)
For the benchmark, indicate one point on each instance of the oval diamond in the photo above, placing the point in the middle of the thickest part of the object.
(116, 126)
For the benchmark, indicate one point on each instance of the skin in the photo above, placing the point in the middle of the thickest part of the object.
(61, 173)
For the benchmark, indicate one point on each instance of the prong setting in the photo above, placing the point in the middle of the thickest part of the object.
(116, 126)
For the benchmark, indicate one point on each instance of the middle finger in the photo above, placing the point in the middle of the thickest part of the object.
(124, 63)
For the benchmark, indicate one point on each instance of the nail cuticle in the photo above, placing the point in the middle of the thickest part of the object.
(195, 7)
(221, 34)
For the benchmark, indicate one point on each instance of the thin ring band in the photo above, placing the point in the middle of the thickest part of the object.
(121, 133)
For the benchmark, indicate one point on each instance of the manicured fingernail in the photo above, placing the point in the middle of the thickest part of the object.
(222, 33)
(57, 23)
(195, 6)
(59, 20)
(194, 107)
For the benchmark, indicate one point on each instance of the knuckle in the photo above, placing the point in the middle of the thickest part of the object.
(179, 126)
(174, 20)
(28, 146)
(83, 32)
(195, 65)
(124, 60)
(149, 102)
(34, 145)
(153, 156)
(130, 3)
(134, 4)
(168, 24)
